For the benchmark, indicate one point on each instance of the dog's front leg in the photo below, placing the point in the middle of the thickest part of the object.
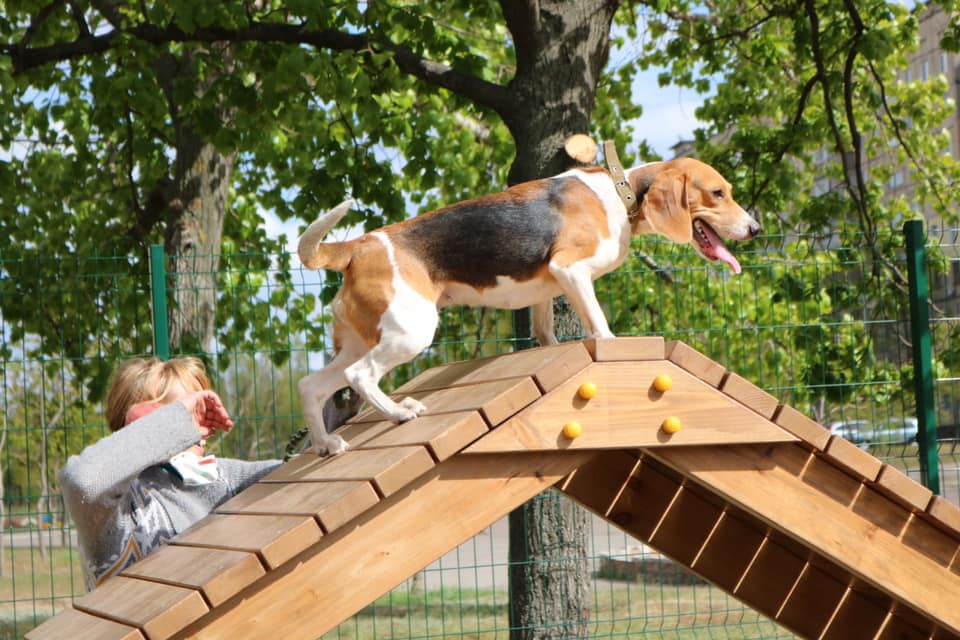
(577, 284)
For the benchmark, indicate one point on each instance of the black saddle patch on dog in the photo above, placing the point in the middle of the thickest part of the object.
(504, 234)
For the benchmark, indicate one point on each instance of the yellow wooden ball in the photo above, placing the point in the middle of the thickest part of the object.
(671, 425)
(663, 383)
(572, 429)
(587, 390)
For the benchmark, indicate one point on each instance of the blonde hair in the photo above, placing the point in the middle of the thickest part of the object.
(151, 380)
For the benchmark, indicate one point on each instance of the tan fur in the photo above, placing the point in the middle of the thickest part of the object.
(584, 224)
(367, 288)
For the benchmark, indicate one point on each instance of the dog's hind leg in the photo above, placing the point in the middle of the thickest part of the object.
(406, 329)
(542, 313)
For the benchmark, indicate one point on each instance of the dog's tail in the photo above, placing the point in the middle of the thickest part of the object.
(314, 252)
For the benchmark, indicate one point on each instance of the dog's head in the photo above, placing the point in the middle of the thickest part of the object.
(689, 202)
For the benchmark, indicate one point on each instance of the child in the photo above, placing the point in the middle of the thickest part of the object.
(148, 480)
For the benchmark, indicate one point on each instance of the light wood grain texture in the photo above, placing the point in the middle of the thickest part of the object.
(855, 460)
(548, 366)
(903, 489)
(389, 543)
(444, 434)
(616, 349)
(217, 573)
(749, 394)
(803, 427)
(694, 362)
(946, 514)
(77, 625)
(496, 400)
(275, 538)
(388, 469)
(332, 503)
(763, 480)
(159, 610)
(627, 412)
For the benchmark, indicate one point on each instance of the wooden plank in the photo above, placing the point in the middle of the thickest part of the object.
(631, 348)
(945, 514)
(645, 492)
(831, 481)
(686, 525)
(275, 538)
(811, 603)
(729, 550)
(853, 459)
(858, 617)
(388, 469)
(770, 578)
(749, 394)
(159, 610)
(391, 542)
(763, 481)
(628, 413)
(903, 489)
(694, 362)
(803, 427)
(880, 510)
(217, 573)
(444, 434)
(930, 540)
(77, 625)
(549, 366)
(496, 400)
(332, 503)
(896, 628)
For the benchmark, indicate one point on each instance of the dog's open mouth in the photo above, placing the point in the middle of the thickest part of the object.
(711, 246)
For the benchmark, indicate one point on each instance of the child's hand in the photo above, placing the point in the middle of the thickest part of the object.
(208, 412)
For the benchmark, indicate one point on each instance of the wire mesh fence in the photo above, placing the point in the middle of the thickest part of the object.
(815, 321)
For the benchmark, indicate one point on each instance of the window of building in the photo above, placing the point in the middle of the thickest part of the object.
(925, 71)
(943, 62)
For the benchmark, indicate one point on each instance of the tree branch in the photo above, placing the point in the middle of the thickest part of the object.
(484, 93)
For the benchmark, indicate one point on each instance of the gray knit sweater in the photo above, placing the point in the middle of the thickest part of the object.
(125, 501)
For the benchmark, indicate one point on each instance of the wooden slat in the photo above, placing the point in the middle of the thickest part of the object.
(391, 542)
(600, 483)
(694, 362)
(803, 427)
(945, 514)
(628, 413)
(831, 481)
(858, 618)
(549, 366)
(811, 602)
(903, 489)
(619, 349)
(685, 526)
(388, 469)
(77, 625)
(763, 481)
(880, 510)
(770, 578)
(930, 540)
(730, 549)
(444, 434)
(275, 538)
(159, 610)
(855, 460)
(749, 394)
(896, 628)
(332, 503)
(496, 400)
(217, 573)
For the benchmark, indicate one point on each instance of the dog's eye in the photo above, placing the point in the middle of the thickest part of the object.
(718, 194)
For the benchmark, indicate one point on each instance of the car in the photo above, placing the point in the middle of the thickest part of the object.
(864, 433)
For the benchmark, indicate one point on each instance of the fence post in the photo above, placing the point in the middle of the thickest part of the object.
(922, 359)
(158, 301)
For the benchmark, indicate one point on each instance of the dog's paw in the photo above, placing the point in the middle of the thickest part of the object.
(330, 444)
(415, 407)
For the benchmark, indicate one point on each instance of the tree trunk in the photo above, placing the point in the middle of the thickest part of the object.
(562, 48)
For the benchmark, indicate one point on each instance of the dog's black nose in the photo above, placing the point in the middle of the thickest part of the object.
(755, 229)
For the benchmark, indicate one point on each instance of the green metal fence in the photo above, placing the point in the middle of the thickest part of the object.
(812, 320)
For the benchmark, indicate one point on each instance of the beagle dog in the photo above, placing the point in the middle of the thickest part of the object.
(518, 248)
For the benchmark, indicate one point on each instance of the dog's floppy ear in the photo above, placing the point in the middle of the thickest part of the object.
(666, 207)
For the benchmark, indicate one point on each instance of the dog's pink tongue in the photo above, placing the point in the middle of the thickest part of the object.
(718, 251)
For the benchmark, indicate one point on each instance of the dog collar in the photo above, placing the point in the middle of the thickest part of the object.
(630, 199)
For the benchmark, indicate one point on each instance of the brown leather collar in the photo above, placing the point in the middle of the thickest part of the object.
(630, 199)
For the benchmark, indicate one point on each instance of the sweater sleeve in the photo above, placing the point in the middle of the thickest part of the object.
(240, 474)
(94, 480)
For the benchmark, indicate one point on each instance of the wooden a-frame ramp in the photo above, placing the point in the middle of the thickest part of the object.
(804, 527)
